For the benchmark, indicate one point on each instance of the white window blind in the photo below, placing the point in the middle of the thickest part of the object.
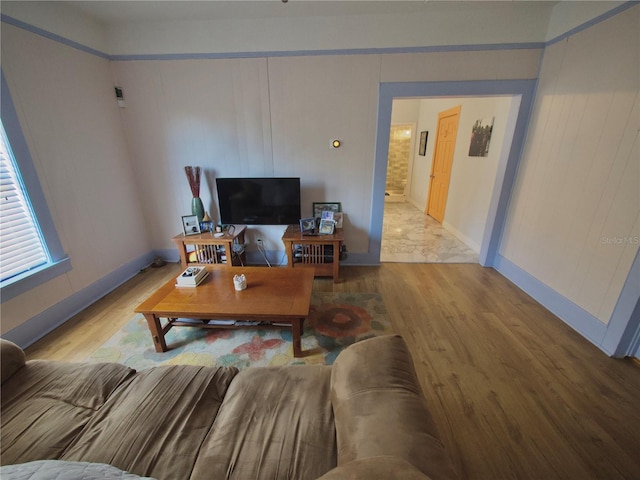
(22, 247)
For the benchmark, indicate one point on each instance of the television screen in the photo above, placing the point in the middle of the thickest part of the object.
(259, 201)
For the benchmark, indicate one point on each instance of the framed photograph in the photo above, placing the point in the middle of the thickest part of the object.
(423, 143)
(481, 137)
(327, 227)
(327, 215)
(190, 224)
(307, 224)
(319, 207)
(337, 218)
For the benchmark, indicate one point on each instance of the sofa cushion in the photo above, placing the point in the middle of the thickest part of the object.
(379, 468)
(154, 424)
(11, 359)
(276, 423)
(379, 409)
(45, 405)
(61, 470)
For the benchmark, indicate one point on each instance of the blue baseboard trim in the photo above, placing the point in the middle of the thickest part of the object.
(576, 317)
(170, 255)
(45, 322)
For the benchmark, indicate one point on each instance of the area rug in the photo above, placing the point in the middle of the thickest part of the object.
(335, 321)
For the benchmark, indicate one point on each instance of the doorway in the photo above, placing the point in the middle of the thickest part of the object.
(409, 234)
(401, 140)
(521, 93)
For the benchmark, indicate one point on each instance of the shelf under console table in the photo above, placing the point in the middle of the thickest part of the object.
(320, 252)
(209, 249)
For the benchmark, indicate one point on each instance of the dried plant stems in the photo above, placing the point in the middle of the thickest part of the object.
(193, 175)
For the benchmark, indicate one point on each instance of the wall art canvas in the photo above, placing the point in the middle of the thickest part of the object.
(481, 137)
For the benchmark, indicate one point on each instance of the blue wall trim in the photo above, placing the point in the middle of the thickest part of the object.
(623, 330)
(507, 170)
(33, 278)
(576, 317)
(345, 51)
(52, 36)
(37, 327)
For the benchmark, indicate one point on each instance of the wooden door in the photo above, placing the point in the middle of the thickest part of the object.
(442, 162)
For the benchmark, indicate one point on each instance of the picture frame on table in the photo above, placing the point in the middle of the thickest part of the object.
(337, 218)
(327, 227)
(327, 215)
(307, 224)
(319, 207)
(190, 225)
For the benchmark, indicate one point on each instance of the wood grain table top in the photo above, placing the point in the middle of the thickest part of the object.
(271, 292)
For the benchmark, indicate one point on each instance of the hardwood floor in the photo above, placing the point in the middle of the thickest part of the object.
(516, 393)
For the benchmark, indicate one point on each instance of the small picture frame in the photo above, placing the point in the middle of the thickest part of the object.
(327, 215)
(307, 224)
(319, 207)
(327, 227)
(423, 143)
(190, 224)
(337, 218)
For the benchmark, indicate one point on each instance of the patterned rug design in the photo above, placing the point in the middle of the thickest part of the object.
(335, 321)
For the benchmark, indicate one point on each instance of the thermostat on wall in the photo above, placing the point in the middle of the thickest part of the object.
(119, 96)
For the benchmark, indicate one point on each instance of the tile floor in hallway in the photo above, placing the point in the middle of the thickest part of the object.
(410, 236)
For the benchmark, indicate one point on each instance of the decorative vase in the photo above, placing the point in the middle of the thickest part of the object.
(197, 208)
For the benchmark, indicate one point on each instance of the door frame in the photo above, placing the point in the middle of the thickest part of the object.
(507, 167)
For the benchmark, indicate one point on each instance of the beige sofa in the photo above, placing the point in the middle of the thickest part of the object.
(364, 417)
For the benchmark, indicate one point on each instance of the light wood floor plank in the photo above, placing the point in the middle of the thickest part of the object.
(515, 392)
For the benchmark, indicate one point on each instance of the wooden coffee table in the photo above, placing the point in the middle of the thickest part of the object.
(275, 297)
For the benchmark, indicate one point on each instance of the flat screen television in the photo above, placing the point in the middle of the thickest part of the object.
(259, 201)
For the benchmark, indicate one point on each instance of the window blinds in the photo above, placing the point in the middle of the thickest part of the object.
(21, 244)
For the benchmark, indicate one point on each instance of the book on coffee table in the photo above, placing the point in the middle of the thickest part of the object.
(191, 277)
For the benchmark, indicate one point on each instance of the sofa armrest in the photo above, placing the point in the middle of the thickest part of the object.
(12, 359)
(380, 468)
(379, 409)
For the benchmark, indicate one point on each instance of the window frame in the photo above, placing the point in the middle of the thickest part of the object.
(60, 262)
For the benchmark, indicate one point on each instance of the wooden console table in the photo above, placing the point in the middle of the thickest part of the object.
(320, 252)
(207, 249)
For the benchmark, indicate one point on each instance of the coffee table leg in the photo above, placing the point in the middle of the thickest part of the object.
(156, 332)
(296, 326)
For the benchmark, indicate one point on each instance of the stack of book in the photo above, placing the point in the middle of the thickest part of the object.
(191, 277)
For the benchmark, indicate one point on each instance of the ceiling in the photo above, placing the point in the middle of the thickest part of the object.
(118, 12)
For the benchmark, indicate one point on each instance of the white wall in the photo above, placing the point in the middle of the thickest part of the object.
(337, 25)
(405, 111)
(574, 220)
(65, 103)
(265, 116)
(209, 113)
(473, 178)
(59, 18)
(569, 15)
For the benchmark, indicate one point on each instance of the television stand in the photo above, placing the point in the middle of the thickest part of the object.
(207, 249)
(318, 251)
